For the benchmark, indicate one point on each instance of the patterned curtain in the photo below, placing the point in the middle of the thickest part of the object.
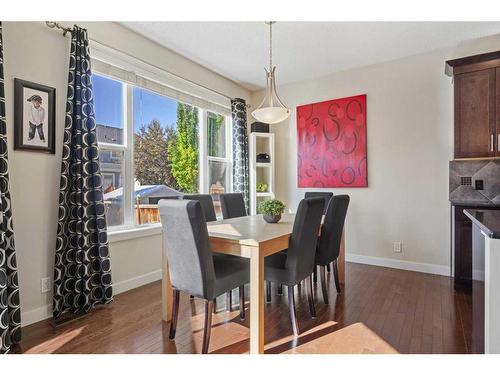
(82, 272)
(10, 311)
(240, 148)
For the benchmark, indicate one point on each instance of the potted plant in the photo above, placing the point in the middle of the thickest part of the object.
(271, 209)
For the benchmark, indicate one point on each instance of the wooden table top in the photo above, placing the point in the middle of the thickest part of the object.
(250, 230)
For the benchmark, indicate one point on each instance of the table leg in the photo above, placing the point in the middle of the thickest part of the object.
(166, 287)
(341, 260)
(256, 303)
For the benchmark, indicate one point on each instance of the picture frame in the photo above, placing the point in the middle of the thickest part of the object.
(34, 116)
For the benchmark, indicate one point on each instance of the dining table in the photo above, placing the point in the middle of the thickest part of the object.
(249, 237)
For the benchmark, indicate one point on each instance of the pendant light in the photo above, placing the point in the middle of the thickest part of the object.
(271, 110)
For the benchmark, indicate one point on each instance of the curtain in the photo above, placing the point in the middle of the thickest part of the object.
(10, 310)
(82, 270)
(240, 149)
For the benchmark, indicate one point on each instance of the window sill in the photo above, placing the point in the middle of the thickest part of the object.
(134, 233)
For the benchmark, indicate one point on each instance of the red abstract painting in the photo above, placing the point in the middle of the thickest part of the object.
(332, 143)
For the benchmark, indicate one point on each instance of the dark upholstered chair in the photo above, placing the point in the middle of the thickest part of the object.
(329, 240)
(296, 264)
(233, 205)
(320, 194)
(193, 268)
(207, 205)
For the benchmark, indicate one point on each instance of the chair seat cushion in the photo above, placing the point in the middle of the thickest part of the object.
(230, 272)
(275, 270)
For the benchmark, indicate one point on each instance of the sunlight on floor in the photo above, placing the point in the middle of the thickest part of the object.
(52, 345)
(354, 339)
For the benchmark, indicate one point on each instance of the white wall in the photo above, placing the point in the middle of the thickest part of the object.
(36, 53)
(410, 133)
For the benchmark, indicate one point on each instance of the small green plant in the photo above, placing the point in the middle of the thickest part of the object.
(273, 207)
(262, 187)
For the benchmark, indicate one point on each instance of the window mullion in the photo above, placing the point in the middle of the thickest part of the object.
(203, 152)
(128, 204)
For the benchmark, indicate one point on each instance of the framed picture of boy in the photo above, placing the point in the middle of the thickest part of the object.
(34, 116)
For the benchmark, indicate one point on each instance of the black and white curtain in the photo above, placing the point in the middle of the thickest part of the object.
(82, 272)
(240, 148)
(10, 310)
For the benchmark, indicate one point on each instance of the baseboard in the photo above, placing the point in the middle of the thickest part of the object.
(399, 264)
(45, 312)
(136, 282)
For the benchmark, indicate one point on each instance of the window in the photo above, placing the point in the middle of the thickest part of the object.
(219, 163)
(109, 110)
(153, 146)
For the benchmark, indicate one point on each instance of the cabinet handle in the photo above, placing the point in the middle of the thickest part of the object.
(491, 146)
(498, 142)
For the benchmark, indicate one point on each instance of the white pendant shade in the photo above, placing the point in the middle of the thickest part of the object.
(271, 115)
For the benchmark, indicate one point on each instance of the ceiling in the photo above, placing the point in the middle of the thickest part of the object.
(303, 50)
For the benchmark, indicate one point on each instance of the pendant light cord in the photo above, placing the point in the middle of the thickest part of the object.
(270, 46)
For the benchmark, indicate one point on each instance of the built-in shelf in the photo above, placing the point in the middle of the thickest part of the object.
(261, 172)
(264, 194)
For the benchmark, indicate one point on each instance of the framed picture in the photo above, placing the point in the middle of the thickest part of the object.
(331, 150)
(34, 117)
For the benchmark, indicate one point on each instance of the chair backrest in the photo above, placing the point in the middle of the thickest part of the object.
(155, 200)
(331, 233)
(233, 205)
(190, 260)
(304, 237)
(325, 195)
(207, 204)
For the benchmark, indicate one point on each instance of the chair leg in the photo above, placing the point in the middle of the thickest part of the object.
(280, 289)
(310, 297)
(328, 268)
(291, 307)
(229, 301)
(242, 302)
(215, 305)
(336, 276)
(315, 274)
(324, 288)
(268, 291)
(175, 314)
(209, 306)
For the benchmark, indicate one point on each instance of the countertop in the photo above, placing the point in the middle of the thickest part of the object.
(456, 202)
(487, 220)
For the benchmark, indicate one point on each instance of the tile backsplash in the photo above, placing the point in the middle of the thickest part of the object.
(463, 176)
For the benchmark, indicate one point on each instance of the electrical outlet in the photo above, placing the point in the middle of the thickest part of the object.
(45, 284)
(398, 247)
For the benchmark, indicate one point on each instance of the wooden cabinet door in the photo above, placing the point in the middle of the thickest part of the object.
(463, 248)
(475, 129)
(497, 111)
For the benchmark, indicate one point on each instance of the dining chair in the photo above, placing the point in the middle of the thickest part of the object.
(193, 268)
(321, 194)
(328, 248)
(327, 196)
(233, 205)
(295, 265)
(207, 205)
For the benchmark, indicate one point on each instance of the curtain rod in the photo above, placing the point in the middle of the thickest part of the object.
(66, 30)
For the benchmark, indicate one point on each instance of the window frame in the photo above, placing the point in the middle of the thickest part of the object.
(205, 189)
(129, 224)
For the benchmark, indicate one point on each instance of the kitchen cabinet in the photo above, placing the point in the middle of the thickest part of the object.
(476, 105)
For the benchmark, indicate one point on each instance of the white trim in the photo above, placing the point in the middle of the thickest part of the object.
(136, 282)
(134, 232)
(45, 312)
(399, 264)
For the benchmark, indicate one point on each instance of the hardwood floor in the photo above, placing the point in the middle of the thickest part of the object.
(409, 311)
